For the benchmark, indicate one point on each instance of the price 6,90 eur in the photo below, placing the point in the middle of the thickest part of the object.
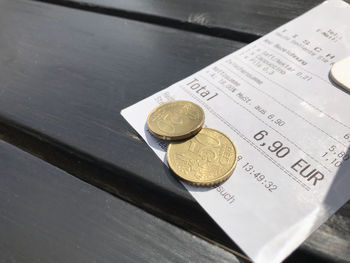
(276, 147)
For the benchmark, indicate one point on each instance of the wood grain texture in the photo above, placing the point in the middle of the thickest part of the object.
(47, 215)
(65, 75)
(233, 19)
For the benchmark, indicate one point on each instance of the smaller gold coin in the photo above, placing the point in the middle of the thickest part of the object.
(176, 120)
(206, 159)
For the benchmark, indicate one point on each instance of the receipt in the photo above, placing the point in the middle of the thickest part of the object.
(291, 127)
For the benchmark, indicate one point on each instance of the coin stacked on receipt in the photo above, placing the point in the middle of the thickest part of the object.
(199, 156)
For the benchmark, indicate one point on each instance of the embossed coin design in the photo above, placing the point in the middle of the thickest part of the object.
(176, 120)
(206, 159)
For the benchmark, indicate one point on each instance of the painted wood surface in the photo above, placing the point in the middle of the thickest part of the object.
(66, 74)
(233, 19)
(47, 215)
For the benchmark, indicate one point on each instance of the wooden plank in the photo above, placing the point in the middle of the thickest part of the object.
(65, 75)
(47, 215)
(233, 19)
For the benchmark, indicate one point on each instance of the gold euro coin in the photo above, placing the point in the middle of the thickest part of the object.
(206, 159)
(175, 120)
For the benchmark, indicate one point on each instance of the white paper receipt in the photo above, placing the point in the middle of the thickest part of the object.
(291, 127)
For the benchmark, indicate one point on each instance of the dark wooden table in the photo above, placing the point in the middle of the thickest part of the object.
(77, 183)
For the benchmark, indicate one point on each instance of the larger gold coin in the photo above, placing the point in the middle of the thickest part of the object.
(176, 120)
(206, 159)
